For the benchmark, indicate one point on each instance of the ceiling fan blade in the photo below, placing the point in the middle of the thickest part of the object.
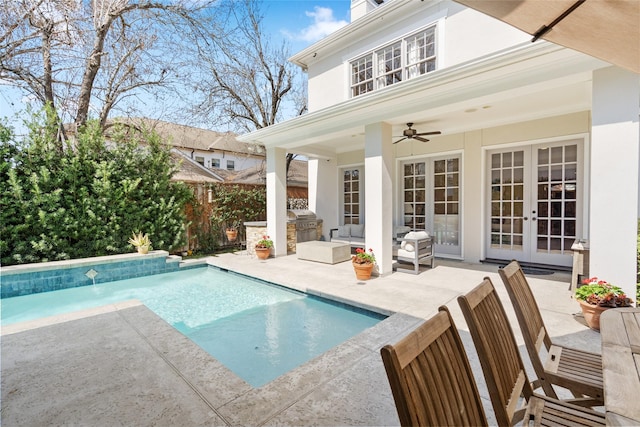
(400, 140)
(421, 139)
(437, 132)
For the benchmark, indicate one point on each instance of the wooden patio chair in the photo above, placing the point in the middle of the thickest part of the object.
(431, 378)
(511, 393)
(576, 370)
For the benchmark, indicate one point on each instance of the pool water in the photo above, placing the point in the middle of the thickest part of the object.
(259, 331)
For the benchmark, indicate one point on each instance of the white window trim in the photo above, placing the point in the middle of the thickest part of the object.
(435, 25)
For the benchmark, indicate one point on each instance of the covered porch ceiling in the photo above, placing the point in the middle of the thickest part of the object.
(528, 82)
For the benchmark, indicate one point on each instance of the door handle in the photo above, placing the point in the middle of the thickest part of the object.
(533, 218)
(525, 218)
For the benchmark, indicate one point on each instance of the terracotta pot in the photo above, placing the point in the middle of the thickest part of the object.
(232, 234)
(592, 314)
(363, 271)
(263, 253)
(143, 249)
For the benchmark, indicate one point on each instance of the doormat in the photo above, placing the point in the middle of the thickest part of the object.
(530, 268)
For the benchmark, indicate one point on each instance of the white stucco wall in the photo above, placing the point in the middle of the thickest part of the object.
(614, 165)
(324, 192)
(463, 35)
(473, 145)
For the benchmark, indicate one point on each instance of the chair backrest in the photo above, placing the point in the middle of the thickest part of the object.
(430, 376)
(497, 350)
(524, 303)
(532, 326)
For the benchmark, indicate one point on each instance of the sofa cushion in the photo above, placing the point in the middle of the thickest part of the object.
(344, 231)
(407, 247)
(406, 254)
(357, 230)
(417, 235)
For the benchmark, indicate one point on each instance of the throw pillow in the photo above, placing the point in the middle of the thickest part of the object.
(421, 235)
(357, 230)
(344, 231)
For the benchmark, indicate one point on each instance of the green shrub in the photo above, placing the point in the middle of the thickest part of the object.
(86, 199)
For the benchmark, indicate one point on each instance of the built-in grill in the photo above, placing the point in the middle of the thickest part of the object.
(306, 224)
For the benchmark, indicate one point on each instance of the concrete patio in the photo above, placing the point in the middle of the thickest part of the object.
(122, 365)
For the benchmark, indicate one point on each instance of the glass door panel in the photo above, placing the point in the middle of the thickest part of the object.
(351, 196)
(508, 204)
(431, 201)
(534, 203)
(557, 203)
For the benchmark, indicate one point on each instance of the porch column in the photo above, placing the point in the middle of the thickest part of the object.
(277, 199)
(323, 192)
(378, 167)
(615, 136)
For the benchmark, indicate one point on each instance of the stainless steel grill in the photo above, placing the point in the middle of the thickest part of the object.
(306, 224)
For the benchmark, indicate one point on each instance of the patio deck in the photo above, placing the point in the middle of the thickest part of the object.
(122, 365)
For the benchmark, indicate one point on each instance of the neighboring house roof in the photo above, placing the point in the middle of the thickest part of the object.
(191, 171)
(298, 174)
(181, 136)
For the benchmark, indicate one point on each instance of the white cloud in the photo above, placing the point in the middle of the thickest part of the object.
(324, 23)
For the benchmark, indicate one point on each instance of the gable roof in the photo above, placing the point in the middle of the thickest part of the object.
(191, 171)
(182, 136)
(297, 177)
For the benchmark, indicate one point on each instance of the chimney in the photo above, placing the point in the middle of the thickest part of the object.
(360, 8)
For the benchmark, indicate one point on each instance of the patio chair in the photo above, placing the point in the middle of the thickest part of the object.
(511, 393)
(576, 370)
(415, 248)
(430, 376)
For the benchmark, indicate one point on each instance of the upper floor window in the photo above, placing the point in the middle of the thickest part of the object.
(405, 59)
(200, 160)
(389, 65)
(231, 165)
(362, 75)
(421, 53)
(215, 163)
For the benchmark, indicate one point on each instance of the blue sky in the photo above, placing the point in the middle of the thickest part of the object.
(300, 22)
(303, 22)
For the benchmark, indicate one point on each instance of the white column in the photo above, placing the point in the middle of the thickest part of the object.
(323, 192)
(378, 186)
(615, 136)
(277, 199)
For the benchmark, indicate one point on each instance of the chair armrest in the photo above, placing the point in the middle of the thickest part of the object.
(331, 233)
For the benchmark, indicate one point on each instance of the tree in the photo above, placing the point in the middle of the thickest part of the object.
(87, 199)
(251, 84)
(84, 57)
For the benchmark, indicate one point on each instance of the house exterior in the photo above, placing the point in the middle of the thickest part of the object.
(538, 144)
(212, 150)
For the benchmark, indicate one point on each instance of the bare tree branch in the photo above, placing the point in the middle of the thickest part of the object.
(84, 58)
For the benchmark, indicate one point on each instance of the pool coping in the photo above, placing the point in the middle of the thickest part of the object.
(228, 399)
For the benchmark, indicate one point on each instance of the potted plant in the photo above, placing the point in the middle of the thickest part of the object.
(232, 232)
(363, 263)
(595, 296)
(141, 241)
(263, 247)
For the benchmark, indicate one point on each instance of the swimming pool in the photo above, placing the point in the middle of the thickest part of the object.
(259, 331)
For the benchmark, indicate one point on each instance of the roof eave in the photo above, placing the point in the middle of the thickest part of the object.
(349, 33)
(513, 57)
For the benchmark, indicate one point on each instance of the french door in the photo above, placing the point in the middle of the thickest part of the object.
(534, 203)
(431, 200)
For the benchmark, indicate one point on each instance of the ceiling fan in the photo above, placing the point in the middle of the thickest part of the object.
(410, 133)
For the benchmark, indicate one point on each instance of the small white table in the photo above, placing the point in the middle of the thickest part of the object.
(325, 252)
(620, 331)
